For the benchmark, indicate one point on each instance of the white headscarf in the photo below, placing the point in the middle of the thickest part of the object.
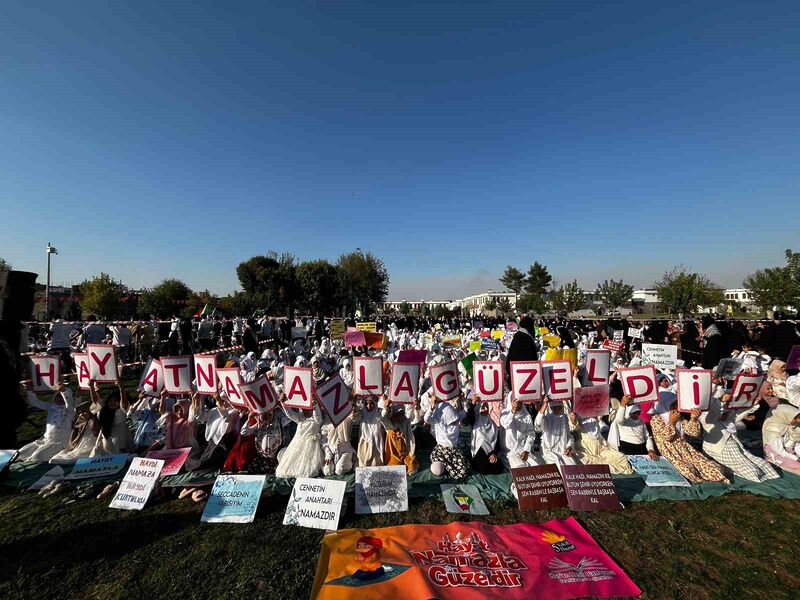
(484, 432)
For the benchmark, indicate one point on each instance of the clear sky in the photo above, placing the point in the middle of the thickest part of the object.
(604, 139)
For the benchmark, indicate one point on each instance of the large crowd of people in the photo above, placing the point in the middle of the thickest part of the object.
(462, 435)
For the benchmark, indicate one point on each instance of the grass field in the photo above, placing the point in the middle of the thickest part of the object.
(735, 546)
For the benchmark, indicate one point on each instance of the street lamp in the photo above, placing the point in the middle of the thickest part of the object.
(50, 250)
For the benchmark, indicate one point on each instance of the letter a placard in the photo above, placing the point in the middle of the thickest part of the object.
(334, 397)
(640, 383)
(694, 388)
(368, 376)
(102, 362)
(444, 380)
(404, 384)
(298, 384)
(488, 378)
(229, 380)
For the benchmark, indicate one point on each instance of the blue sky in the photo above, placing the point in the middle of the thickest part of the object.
(175, 139)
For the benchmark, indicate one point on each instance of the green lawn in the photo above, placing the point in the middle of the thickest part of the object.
(735, 546)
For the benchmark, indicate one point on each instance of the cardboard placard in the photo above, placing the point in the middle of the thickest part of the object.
(745, 390)
(487, 380)
(205, 372)
(177, 374)
(463, 499)
(371, 326)
(229, 380)
(376, 341)
(259, 395)
(173, 459)
(315, 503)
(640, 383)
(657, 473)
(539, 487)
(138, 483)
(634, 333)
(619, 335)
(475, 346)
(590, 487)
(444, 380)
(45, 372)
(334, 398)
(98, 466)
(526, 380)
(234, 499)
(557, 379)
(152, 380)
(662, 356)
(591, 401)
(298, 332)
(694, 388)
(597, 367)
(368, 376)
(102, 362)
(728, 368)
(337, 329)
(81, 360)
(354, 338)
(404, 383)
(412, 356)
(298, 385)
(381, 489)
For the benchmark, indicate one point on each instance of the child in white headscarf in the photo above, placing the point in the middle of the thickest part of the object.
(58, 426)
(781, 437)
(593, 449)
(445, 420)
(518, 435)
(485, 442)
(370, 438)
(557, 445)
(337, 447)
(303, 457)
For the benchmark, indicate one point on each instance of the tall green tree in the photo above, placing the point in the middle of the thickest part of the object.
(5, 265)
(237, 304)
(503, 306)
(614, 294)
(318, 286)
(363, 281)
(405, 308)
(531, 303)
(199, 300)
(100, 296)
(680, 291)
(169, 298)
(270, 281)
(568, 298)
(513, 279)
(538, 280)
(776, 287)
(491, 304)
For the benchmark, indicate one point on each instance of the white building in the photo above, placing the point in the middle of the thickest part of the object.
(474, 305)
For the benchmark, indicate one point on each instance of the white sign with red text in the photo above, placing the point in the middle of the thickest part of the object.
(259, 395)
(205, 373)
(82, 370)
(694, 387)
(152, 381)
(45, 372)
(229, 380)
(596, 367)
(368, 372)
(444, 380)
(745, 390)
(526, 380)
(334, 397)
(177, 374)
(487, 380)
(404, 383)
(102, 362)
(557, 379)
(298, 385)
(640, 383)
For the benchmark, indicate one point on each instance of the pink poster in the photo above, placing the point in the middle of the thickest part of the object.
(468, 561)
(354, 338)
(173, 459)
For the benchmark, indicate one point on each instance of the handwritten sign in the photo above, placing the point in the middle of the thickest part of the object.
(634, 333)
(102, 362)
(487, 377)
(745, 390)
(315, 503)
(590, 487)
(526, 380)
(463, 499)
(404, 383)
(354, 338)
(662, 356)
(640, 383)
(152, 381)
(137, 484)
(97, 466)
(337, 329)
(298, 384)
(370, 326)
(694, 387)
(591, 401)
(596, 367)
(539, 487)
(45, 372)
(614, 347)
(173, 459)
(475, 346)
(334, 397)
(234, 499)
(381, 489)
(657, 473)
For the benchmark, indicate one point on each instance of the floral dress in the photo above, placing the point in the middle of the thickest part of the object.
(693, 465)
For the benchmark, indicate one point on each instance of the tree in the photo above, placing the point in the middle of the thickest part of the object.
(513, 279)
(568, 298)
(199, 300)
(237, 303)
(405, 308)
(270, 281)
(504, 306)
(776, 287)
(167, 299)
(531, 303)
(491, 304)
(100, 296)
(538, 279)
(318, 283)
(680, 291)
(614, 294)
(363, 281)
(5, 265)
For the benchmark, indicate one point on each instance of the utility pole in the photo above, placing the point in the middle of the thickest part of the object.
(50, 250)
